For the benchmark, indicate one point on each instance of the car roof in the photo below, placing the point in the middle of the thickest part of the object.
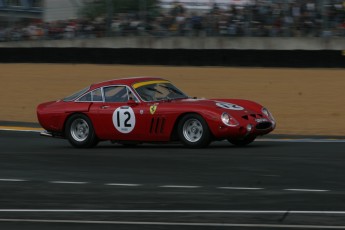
(124, 81)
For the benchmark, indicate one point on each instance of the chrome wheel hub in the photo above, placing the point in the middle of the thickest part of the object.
(79, 130)
(192, 130)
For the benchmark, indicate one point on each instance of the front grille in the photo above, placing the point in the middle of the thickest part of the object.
(263, 125)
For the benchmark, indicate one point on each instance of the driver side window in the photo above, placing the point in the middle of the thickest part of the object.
(116, 94)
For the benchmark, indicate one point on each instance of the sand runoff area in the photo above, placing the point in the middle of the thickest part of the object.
(303, 101)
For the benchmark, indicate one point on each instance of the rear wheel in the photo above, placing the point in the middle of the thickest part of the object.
(242, 142)
(193, 131)
(79, 131)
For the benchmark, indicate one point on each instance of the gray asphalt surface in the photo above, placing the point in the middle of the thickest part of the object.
(169, 186)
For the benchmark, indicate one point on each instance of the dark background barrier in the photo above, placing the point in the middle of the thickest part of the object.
(185, 57)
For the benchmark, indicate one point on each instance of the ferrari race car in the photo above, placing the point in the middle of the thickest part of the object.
(131, 111)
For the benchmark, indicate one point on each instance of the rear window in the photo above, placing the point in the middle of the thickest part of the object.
(76, 95)
(94, 96)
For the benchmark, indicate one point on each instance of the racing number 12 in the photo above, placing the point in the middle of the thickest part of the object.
(124, 119)
(126, 124)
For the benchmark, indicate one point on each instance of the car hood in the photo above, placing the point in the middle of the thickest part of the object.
(233, 106)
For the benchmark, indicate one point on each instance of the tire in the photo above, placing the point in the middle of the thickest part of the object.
(193, 131)
(80, 132)
(242, 142)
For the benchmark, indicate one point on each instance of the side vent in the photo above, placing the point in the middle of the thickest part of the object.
(157, 125)
(152, 122)
(162, 125)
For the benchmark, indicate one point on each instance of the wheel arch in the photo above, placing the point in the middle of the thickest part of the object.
(69, 116)
(174, 134)
(91, 138)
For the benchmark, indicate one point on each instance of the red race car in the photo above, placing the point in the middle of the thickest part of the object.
(145, 109)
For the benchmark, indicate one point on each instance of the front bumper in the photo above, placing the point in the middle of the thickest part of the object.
(244, 130)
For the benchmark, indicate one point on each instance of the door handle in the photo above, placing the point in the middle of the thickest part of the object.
(105, 106)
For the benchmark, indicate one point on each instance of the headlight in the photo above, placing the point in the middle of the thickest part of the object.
(268, 114)
(229, 120)
(249, 128)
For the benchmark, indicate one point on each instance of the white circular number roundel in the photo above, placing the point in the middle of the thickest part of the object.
(124, 119)
(227, 105)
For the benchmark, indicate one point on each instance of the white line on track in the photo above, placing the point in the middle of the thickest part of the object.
(179, 186)
(304, 140)
(173, 211)
(166, 186)
(13, 180)
(239, 188)
(127, 185)
(305, 190)
(20, 129)
(68, 182)
(176, 224)
(29, 131)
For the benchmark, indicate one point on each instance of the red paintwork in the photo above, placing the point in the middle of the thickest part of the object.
(52, 116)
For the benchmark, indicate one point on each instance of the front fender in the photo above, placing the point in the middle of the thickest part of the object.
(251, 105)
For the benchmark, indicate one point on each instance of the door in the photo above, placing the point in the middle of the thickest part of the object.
(118, 116)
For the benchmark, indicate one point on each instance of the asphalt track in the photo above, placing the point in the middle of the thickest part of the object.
(271, 184)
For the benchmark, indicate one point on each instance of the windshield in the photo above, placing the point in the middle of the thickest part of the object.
(76, 95)
(158, 90)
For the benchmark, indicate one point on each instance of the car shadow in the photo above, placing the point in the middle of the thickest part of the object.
(215, 145)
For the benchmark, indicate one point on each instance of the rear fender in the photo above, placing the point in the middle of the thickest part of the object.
(82, 108)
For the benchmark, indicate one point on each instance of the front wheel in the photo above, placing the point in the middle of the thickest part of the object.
(193, 131)
(242, 142)
(79, 131)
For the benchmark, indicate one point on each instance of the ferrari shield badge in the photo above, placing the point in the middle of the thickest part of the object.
(153, 109)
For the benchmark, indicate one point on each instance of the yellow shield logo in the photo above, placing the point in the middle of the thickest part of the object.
(153, 109)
